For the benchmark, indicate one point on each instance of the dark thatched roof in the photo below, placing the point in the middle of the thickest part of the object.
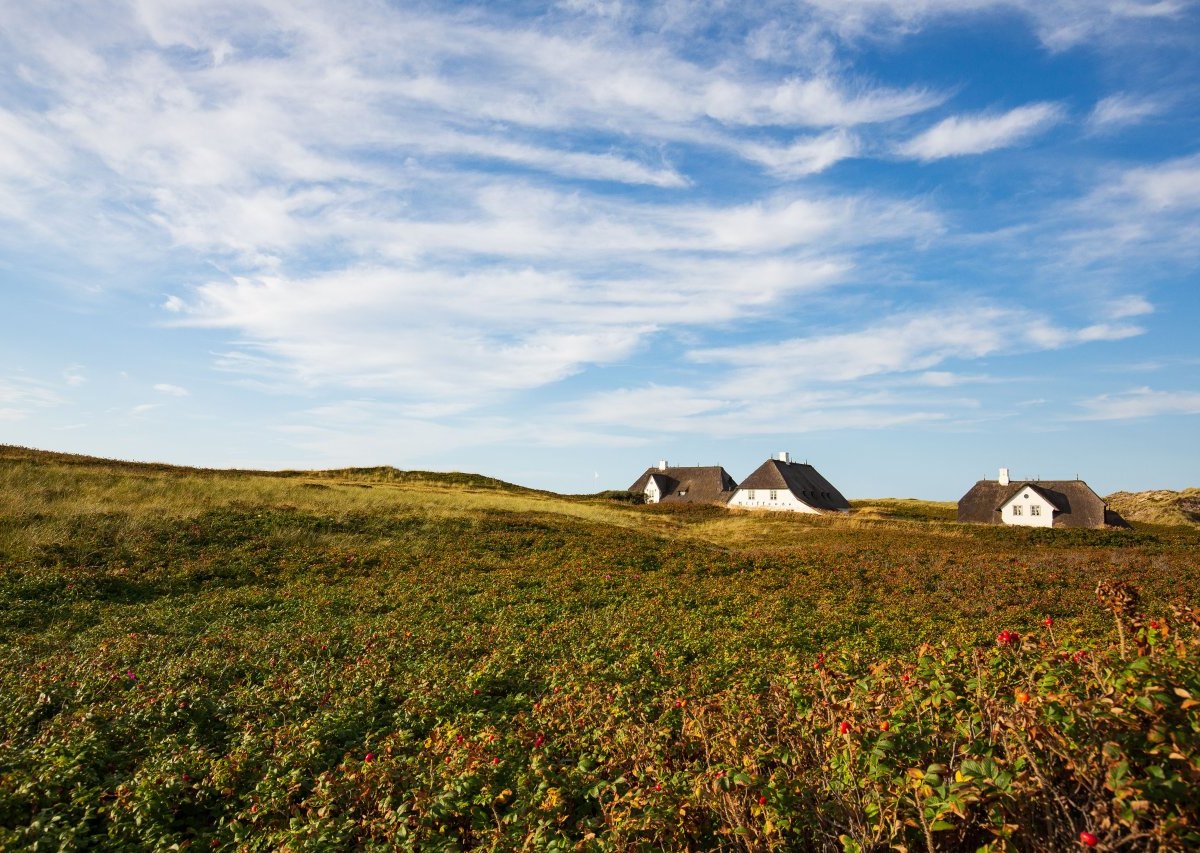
(699, 484)
(1075, 504)
(801, 479)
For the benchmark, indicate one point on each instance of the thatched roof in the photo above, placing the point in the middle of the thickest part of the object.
(1075, 504)
(698, 484)
(801, 479)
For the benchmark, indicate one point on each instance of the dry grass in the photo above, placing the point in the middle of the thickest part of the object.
(1158, 507)
(47, 498)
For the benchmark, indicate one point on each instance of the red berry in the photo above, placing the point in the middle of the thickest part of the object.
(844, 728)
(370, 756)
(1088, 840)
(762, 800)
(1048, 621)
(538, 741)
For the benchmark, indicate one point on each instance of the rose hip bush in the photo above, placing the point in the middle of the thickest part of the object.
(307, 670)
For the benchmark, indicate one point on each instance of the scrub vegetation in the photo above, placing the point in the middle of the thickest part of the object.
(380, 659)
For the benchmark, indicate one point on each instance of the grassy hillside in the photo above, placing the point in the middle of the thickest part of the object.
(1158, 507)
(242, 660)
(905, 509)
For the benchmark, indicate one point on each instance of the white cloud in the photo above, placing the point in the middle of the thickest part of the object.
(1060, 25)
(476, 335)
(1141, 218)
(860, 379)
(1129, 306)
(960, 135)
(804, 156)
(171, 390)
(1122, 110)
(20, 397)
(1174, 185)
(74, 376)
(905, 343)
(144, 408)
(1140, 403)
(540, 298)
(723, 409)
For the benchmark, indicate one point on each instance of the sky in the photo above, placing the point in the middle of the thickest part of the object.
(909, 241)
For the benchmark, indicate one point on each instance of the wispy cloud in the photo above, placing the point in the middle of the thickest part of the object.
(1140, 403)
(74, 376)
(1168, 186)
(481, 334)
(854, 379)
(1138, 217)
(171, 390)
(1059, 25)
(1122, 110)
(960, 135)
(916, 342)
(804, 156)
(20, 397)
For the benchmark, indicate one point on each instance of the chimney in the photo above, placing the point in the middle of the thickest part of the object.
(785, 457)
(1004, 476)
(662, 464)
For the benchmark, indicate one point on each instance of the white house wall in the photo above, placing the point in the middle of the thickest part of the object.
(1025, 501)
(784, 501)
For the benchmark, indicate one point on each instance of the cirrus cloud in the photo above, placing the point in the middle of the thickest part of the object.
(957, 136)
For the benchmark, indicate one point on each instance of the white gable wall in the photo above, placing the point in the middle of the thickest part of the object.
(1028, 509)
(784, 500)
(652, 493)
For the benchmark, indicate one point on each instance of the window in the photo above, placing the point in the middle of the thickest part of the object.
(774, 495)
(750, 494)
(1016, 509)
(1035, 510)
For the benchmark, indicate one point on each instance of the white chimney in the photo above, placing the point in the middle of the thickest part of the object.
(1004, 476)
(785, 457)
(662, 464)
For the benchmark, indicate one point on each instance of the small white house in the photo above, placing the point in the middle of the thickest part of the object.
(1028, 507)
(684, 484)
(1036, 503)
(785, 486)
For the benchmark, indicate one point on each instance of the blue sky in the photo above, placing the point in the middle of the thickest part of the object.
(909, 241)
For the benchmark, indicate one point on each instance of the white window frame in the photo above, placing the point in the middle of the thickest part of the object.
(1016, 510)
(774, 495)
(1035, 510)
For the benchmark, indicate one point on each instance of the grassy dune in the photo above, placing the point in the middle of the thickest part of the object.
(374, 658)
(1162, 507)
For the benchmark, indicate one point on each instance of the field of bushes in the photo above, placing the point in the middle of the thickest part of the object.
(240, 661)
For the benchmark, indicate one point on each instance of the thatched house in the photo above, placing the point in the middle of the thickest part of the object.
(783, 485)
(1036, 503)
(678, 484)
